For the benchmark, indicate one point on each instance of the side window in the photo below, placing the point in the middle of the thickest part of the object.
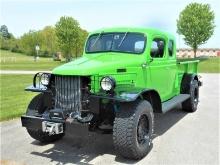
(157, 48)
(170, 48)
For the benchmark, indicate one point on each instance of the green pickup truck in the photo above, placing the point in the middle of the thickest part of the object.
(124, 76)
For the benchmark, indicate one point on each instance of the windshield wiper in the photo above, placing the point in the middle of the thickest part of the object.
(97, 39)
(122, 40)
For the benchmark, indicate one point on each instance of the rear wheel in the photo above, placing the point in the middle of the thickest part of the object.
(190, 105)
(38, 105)
(133, 129)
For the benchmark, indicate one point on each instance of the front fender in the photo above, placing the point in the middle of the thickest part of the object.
(37, 88)
(123, 96)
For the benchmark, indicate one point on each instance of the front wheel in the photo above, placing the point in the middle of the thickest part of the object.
(133, 129)
(38, 105)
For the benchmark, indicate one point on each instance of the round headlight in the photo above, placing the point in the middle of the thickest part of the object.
(45, 79)
(107, 83)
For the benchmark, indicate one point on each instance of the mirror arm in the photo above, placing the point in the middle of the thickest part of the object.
(151, 60)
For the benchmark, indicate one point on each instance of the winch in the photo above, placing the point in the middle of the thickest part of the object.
(52, 128)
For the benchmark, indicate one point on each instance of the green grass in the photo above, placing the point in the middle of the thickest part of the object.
(17, 61)
(14, 100)
(212, 65)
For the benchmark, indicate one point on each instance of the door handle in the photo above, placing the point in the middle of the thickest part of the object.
(144, 65)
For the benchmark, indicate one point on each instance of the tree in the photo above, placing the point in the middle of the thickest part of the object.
(67, 31)
(196, 24)
(83, 34)
(46, 39)
(4, 32)
(49, 40)
(7, 40)
(29, 40)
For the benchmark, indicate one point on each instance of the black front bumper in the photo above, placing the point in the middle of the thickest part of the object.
(32, 122)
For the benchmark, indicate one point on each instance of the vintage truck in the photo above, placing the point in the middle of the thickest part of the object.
(124, 76)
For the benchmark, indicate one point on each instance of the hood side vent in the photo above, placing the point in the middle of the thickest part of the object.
(121, 70)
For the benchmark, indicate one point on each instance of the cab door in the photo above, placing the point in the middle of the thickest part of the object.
(161, 77)
(172, 73)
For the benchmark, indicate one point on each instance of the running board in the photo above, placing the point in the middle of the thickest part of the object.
(170, 104)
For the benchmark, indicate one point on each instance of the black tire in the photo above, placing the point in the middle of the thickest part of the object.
(131, 138)
(190, 105)
(38, 105)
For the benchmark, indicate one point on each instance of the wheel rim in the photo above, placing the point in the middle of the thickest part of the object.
(196, 95)
(143, 130)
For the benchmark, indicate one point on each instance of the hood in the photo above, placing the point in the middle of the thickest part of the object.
(99, 63)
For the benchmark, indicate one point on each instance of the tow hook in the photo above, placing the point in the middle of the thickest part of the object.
(77, 116)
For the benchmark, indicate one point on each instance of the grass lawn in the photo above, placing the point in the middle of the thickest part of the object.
(14, 100)
(212, 65)
(17, 61)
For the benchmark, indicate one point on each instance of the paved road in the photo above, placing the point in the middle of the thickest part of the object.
(180, 138)
(20, 72)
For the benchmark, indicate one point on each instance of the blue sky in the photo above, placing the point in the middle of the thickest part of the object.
(22, 15)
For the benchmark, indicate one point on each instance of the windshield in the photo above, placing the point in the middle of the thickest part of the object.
(116, 42)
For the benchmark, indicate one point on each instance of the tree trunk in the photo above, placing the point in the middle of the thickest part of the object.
(195, 47)
(76, 50)
(194, 50)
(67, 56)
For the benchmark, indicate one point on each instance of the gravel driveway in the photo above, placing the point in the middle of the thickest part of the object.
(180, 138)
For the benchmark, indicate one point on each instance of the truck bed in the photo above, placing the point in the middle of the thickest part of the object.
(200, 58)
(187, 66)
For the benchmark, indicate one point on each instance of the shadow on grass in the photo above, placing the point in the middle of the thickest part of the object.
(81, 147)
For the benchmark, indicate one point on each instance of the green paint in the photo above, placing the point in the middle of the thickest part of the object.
(142, 71)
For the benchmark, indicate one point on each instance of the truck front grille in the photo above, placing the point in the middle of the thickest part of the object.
(68, 93)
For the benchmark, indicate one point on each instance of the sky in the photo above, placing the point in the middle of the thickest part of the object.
(20, 16)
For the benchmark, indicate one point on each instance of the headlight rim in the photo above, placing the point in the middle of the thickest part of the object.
(48, 76)
(112, 82)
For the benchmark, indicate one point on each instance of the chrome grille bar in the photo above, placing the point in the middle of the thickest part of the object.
(68, 93)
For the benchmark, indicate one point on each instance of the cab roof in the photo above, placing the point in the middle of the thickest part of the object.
(148, 31)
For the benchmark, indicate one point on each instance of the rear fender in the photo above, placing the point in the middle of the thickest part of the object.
(186, 81)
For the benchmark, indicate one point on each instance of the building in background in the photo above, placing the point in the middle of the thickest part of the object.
(188, 53)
